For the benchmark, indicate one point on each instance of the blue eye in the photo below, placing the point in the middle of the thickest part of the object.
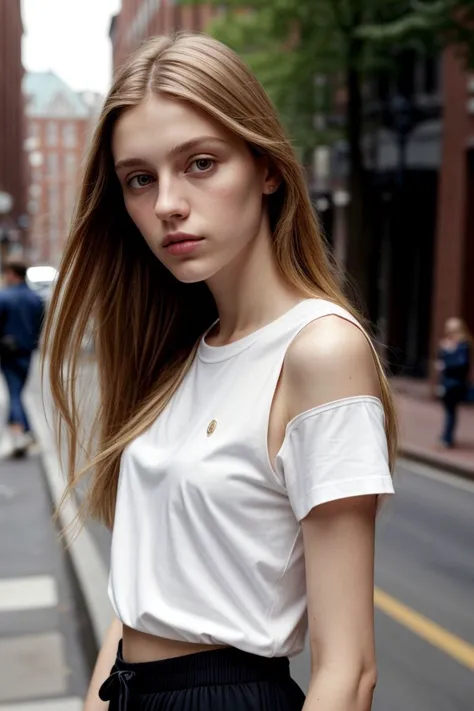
(142, 180)
(202, 165)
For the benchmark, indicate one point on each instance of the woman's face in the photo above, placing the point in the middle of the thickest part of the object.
(453, 328)
(192, 188)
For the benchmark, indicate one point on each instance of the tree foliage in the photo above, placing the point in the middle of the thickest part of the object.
(292, 45)
(431, 23)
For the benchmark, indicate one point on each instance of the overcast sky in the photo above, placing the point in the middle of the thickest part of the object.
(70, 37)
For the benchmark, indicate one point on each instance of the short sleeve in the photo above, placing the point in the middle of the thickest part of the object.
(335, 451)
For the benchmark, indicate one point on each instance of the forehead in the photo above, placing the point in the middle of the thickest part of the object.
(159, 123)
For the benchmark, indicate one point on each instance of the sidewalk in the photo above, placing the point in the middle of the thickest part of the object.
(43, 627)
(421, 421)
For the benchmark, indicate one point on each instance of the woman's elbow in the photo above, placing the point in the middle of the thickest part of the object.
(351, 687)
(368, 679)
(363, 686)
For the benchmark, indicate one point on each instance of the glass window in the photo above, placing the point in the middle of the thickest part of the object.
(34, 129)
(432, 78)
(70, 164)
(52, 163)
(70, 202)
(52, 134)
(53, 204)
(69, 135)
(33, 207)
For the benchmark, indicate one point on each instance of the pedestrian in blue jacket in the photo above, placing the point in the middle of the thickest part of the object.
(21, 318)
(453, 363)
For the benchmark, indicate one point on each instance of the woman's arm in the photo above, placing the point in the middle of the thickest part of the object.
(104, 664)
(329, 361)
(339, 550)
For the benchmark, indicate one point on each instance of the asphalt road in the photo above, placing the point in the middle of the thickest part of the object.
(424, 594)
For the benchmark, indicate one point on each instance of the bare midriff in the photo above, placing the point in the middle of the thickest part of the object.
(141, 647)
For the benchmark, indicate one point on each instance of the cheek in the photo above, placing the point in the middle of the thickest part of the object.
(238, 191)
(141, 212)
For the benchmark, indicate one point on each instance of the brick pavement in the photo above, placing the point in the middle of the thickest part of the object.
(421, 421)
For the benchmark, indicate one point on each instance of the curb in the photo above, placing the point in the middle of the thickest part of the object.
(438, 462)
(89, 569)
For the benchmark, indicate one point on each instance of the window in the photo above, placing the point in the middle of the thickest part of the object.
(52, 162)
(53, 205)
(431, 75)
(70, 199)
(406, 73)
(53, 214)
(52, 134)
(54, 248)
(140, 27)
(69, 135)
(35, 190)
(70, 164)
(34, 129)
(33, 207)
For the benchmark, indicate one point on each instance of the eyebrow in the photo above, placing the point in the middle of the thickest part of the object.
(174, 152)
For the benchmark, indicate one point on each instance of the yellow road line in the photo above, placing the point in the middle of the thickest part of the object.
(431, 632)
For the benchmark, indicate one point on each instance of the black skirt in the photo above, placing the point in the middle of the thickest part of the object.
(218, 680)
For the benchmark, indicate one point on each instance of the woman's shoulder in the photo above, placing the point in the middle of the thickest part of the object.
(330, 359)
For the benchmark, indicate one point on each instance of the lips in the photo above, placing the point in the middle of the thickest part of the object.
(178, 237)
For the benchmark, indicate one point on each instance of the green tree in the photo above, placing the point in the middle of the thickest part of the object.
(434, 23)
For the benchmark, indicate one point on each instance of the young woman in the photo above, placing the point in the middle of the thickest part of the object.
(246, 426)
(454, 362)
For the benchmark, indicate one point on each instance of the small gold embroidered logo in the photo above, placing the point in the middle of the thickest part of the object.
(211, 428)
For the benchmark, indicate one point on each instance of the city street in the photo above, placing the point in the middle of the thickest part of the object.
(358, 179)
(424, 592)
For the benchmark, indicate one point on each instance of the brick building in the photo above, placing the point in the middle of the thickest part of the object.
(58, 130)
(422, 204)
(12, 160)
(140, 19)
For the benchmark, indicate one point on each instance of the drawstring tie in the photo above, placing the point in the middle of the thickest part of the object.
(118, 688)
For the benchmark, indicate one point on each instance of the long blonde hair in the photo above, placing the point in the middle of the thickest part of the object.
(146, 323)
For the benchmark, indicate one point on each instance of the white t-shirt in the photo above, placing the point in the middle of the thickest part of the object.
(207, 545)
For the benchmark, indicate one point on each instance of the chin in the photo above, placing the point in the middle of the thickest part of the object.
(192, 272)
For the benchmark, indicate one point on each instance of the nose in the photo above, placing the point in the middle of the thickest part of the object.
(171, 202)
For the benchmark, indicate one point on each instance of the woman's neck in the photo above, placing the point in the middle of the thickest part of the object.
(250, 292)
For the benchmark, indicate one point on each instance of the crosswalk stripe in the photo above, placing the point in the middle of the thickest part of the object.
(32, 592)
(70, 704)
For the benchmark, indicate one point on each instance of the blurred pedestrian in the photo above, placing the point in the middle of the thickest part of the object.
(21, 318)
(453, 364)
(246, 425)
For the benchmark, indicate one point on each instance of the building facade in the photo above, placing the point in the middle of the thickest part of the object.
(421, 166)
(140, 19)
(58, 131)
(13, 168)
(453, 293)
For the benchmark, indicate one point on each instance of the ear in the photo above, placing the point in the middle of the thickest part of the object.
(272, 177)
